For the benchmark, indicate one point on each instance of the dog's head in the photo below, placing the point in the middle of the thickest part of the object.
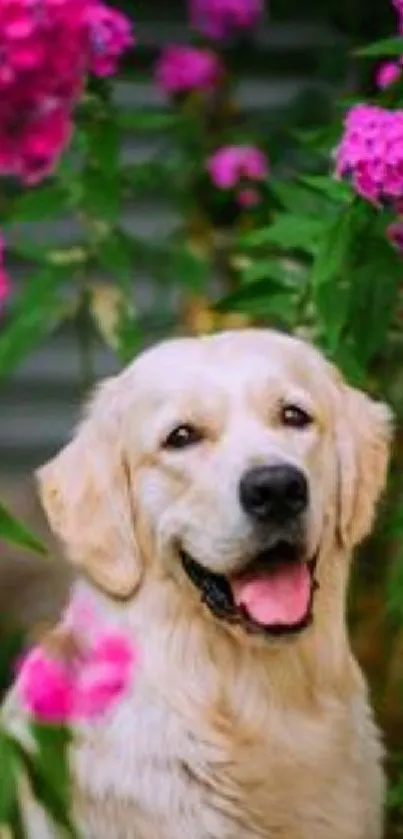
(236, 465)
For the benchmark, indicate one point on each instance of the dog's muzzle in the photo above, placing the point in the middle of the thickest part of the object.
(274, 594)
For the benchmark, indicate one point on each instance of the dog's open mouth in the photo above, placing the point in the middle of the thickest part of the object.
(274, 594)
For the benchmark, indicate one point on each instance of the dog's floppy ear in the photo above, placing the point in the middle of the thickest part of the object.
(86, 495)
(364, 431)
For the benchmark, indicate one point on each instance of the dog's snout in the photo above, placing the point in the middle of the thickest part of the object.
(273, 493)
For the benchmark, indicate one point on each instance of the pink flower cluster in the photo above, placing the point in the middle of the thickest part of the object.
(4, 278)
(370, 154)
(90, 668)
(182, 69)
(218, 19)
(47, 47)
(239, 168)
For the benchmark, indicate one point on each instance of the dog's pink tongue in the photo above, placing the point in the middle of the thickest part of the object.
(276, 597)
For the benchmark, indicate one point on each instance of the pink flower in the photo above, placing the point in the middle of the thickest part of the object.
(47, 47)
(46, 688)
(218, 19)
(90, 668)
(248, 197)
(110, 35)
(370, 153)
(229, 164)
(181, 69)
(398, 4)
(239, 166)
(4, 278)
(388, 73)
(41, 145)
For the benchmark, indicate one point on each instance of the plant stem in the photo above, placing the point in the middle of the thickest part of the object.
(84, 336)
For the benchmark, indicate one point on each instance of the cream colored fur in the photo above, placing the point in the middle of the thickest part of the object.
(224, 735)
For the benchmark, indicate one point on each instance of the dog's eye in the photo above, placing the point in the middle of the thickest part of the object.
(183, 436)
(295, 417)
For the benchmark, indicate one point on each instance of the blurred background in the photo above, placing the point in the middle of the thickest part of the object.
(290, 76)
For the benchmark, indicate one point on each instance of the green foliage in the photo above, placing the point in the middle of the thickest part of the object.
(392, 47)
(11, 646)
(44, 202)
(45, 766)
(38, 311)
(8, 788)
(266, 297)
(115, 254)
(16, 533)
(289, 231)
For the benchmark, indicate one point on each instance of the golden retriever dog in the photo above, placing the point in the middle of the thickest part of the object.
(211, 500)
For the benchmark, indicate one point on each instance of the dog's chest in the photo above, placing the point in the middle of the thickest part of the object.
(151, 774)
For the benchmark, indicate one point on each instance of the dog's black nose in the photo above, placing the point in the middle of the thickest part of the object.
(273, 493)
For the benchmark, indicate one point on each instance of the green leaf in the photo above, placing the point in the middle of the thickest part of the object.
(189, 268)
(42, 202)
(102, 141)
(290, 232)
(115, 254)
(330, 281)
(47, 254)
(10, 812)
(320, 140)
(373, 298)
(394, 799)
(35, 314)
(152, 121)
(151, 256)
(393, 526)
(8, 785)
(343, 355)
(334, 189)
(394, 588)
(286, 274)
(52, 742)
(163, 176)
(11, 646)
(16, 823)
(101, 195)
(13, 531)
(130, 337)
(388, 46)
(299, 199)
(31, 250)
(334, 247)
(44, 784)
(332, 302)
(264, 298)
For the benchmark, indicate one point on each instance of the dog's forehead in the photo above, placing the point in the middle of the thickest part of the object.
(232, 361)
